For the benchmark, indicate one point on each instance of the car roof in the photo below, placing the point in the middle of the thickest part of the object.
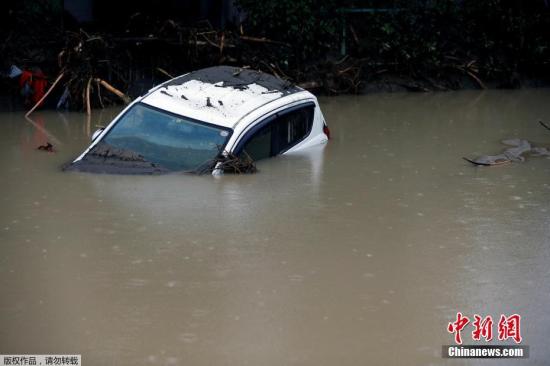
(220, 95)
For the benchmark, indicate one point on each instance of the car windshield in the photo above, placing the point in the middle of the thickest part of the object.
(171, 141)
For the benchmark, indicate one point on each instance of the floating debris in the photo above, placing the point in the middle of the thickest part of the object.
(229, 163)
(513, 154)
(47, 147)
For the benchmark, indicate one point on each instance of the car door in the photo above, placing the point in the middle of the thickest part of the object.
(277, 133)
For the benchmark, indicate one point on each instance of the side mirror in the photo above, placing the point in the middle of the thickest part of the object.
(97, 133)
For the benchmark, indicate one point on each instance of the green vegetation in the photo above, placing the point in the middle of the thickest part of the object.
(309, 26)
(331, 46)
(444, 40)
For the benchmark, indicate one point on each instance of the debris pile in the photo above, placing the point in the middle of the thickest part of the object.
(80, 62)
(229, 163)
(95, 70)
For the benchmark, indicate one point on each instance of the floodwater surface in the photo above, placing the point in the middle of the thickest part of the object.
(358, 253)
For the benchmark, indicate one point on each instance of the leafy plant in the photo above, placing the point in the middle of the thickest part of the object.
(308, 26)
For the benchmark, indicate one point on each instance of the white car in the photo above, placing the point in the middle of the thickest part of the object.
(188, 121)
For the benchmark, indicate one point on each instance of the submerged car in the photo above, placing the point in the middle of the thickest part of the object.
(191, 120)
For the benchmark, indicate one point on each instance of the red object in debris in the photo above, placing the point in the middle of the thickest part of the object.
(36, 82)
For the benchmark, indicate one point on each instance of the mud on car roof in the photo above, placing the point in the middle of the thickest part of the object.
(238, 78)
(221, 95)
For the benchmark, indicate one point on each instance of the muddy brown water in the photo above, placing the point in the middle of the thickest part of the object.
(359, 253)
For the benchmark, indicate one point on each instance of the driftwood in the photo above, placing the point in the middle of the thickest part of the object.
(469, 69)
(114, 90)
(88, 107)
(209, 41)
(263, 40)
(164, 72)
(84, 60)
(79, 62)
(222, 43)
(45, 95)
(98, 87)
(478, 80)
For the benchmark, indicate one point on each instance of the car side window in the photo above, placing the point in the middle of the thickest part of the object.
(280, 134)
